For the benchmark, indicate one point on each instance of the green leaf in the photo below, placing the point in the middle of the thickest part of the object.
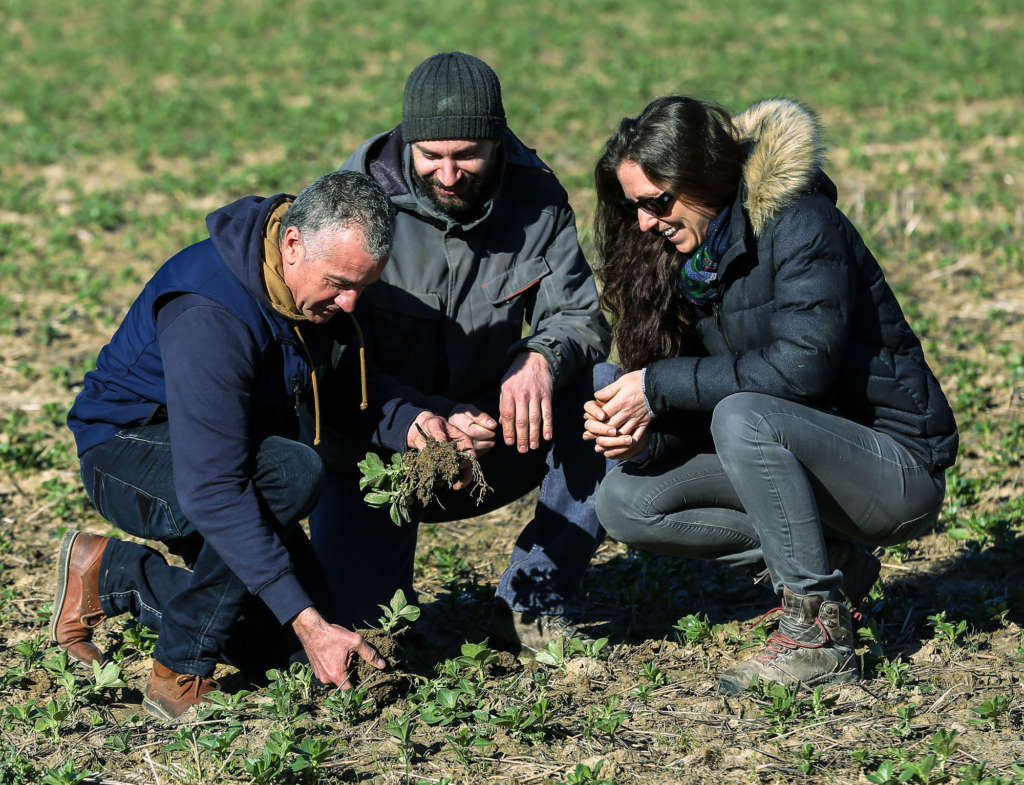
(377, 499)
(410, 613)
(107, 676)
(371, 465)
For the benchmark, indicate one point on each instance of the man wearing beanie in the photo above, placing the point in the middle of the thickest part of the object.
(484, 240)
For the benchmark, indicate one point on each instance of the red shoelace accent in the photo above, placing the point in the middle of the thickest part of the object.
(778, 643)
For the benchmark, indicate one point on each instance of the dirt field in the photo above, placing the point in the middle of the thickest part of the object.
(934, 180)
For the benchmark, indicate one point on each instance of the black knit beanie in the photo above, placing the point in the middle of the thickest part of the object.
(452, 95)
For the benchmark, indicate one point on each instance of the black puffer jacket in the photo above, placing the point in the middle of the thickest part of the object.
(805, 313)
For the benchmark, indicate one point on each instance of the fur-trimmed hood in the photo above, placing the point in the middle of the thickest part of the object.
(785, 159)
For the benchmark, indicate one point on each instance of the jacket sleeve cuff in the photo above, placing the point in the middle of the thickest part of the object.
(643, 391)
(550, 351)
(285, 597)
(671, 385)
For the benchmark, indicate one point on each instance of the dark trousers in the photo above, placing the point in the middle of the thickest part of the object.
(365, 557)
(778, 479)
(204, 614)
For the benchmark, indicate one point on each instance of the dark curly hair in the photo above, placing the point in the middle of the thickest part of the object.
(688, 147)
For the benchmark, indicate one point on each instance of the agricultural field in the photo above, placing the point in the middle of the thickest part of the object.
(122, 124)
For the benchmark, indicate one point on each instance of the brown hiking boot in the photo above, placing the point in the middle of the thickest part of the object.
(812, 645)
(169, 695)
(76, 609)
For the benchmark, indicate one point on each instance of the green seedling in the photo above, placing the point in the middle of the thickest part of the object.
(595, 649)
(118, 742)
(65, 775)
(948, 632)
(139, 637)
(106, 677)
(607, 719)
(49, 718)
(693, 628)
(868, 635)
(990, 712)
(447, 707)
(310, 756)
(586, 775)
(531, 724)
(944, 743)
(885, 774)
(397, 612)
(223, 704)
(905, 728)
(465, 744)
(476, 657)
(977, 774)
(400, 730)
(654, 675)
(265, 769)
(926, 770)
(655, 678)
(805, 758)
(894, 671)
(284, 691)
(451, 567)
(348, 705)
(553, 654)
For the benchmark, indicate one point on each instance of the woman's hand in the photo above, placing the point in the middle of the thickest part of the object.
(621, 406)
(621, 446)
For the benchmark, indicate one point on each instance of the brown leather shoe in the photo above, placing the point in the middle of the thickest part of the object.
(169, 695)
(77, 609)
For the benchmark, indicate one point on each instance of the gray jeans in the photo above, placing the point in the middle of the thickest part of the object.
(777, 479)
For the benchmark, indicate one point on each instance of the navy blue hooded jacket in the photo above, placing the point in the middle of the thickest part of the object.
(203, 343)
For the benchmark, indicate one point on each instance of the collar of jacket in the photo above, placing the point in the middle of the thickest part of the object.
(783, 153)
(782, 140)
(278, 293)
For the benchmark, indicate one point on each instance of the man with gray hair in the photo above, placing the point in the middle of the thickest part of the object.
(192, 431)
(485, 242)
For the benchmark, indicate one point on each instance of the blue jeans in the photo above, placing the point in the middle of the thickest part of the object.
(776, 481)
(365, 557)
(204, 614)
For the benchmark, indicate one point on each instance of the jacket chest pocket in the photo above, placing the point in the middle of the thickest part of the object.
(509, 286)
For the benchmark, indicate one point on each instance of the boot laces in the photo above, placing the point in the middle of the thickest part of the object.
(190, 682)
(778, 643)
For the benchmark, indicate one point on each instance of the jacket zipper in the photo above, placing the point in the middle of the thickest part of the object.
(716, 308)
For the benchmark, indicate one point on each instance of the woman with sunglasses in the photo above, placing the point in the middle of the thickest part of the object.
(773, 403)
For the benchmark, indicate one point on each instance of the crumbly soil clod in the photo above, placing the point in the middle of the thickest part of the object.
(438, 466)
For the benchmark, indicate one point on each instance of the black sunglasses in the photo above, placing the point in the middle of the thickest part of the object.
(657, 206)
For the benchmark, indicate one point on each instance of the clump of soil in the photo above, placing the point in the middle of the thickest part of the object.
(440, 465)
(387, 686)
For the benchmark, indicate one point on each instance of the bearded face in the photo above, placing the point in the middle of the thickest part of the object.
(456, 175)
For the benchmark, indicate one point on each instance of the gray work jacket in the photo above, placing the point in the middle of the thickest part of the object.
(447, 316)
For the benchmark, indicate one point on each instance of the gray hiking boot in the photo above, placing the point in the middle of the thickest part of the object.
(812, 645)
(529, 630)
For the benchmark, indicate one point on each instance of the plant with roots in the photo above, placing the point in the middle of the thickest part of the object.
(417, 475)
